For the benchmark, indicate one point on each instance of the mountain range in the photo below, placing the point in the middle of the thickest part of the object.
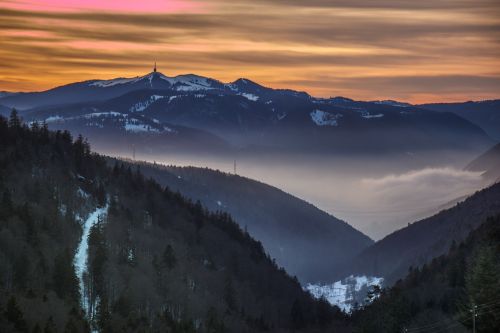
(190, 113)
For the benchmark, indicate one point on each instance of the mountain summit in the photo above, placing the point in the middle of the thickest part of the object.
(95, 90)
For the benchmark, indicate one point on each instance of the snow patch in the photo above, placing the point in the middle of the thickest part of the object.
(114, 82)
(53, 119)
(190, 82)
(101, 114)
(83, 194)
(365, 114)
(141, 106)
(345, 293)
(322, 118)
(250, 97)
(370, 116)
(63, 210)
(281, 116)
(138, 127)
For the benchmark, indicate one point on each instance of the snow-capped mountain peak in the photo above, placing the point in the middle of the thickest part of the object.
(186, 82)
(114, 82)
(245, 85)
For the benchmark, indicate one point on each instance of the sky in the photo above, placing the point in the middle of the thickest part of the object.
(415, 51)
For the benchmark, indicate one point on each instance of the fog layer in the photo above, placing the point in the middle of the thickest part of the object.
(375, 194)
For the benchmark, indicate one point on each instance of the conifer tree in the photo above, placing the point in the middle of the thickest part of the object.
(229, 294)
(169, 259)
(14, 121)
(483, 288)
(64, 279)
(212, 322)
(15, 315)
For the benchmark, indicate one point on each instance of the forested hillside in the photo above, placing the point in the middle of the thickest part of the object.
(291, 230)
(421, 241)
(440, 296)
(157, 262)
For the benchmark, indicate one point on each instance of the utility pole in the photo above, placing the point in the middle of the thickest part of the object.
(133, 152)
(234, 166)
(474, 315)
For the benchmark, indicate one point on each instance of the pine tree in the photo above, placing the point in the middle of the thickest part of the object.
(212, 322)
(324, 312)
(14, 121)
(297, 315)
(22, 266)
(6, 206)
(103, 316)
(50, 326)
(65, 281)
(37, 328)
(101, 195)
(15, 315)
(483, 288)
(229, 294)
(169, 259)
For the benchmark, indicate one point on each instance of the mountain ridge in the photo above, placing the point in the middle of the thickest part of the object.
(246, 115)
(485, 113)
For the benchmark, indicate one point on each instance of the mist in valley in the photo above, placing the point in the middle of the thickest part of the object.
(375, 194)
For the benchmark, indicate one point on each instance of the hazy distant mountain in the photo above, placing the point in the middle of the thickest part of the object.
(121, 133)
(4, 111)
(421, 241)
(6, 93)
(489, 162)
(291, 230)
(485, 114)
(247, 115)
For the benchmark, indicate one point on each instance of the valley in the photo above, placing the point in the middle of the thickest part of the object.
(335, 199)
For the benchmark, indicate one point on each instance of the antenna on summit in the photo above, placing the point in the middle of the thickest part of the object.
(154, 70)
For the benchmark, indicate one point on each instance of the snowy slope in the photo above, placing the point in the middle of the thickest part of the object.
(346, 293)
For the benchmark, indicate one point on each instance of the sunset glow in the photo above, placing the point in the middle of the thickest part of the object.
(406, 50)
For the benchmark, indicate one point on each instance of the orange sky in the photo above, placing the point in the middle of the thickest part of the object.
(416, 51)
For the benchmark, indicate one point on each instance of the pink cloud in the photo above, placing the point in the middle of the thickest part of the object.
(127, 6)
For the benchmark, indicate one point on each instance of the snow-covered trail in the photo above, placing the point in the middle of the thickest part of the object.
(80, 260)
